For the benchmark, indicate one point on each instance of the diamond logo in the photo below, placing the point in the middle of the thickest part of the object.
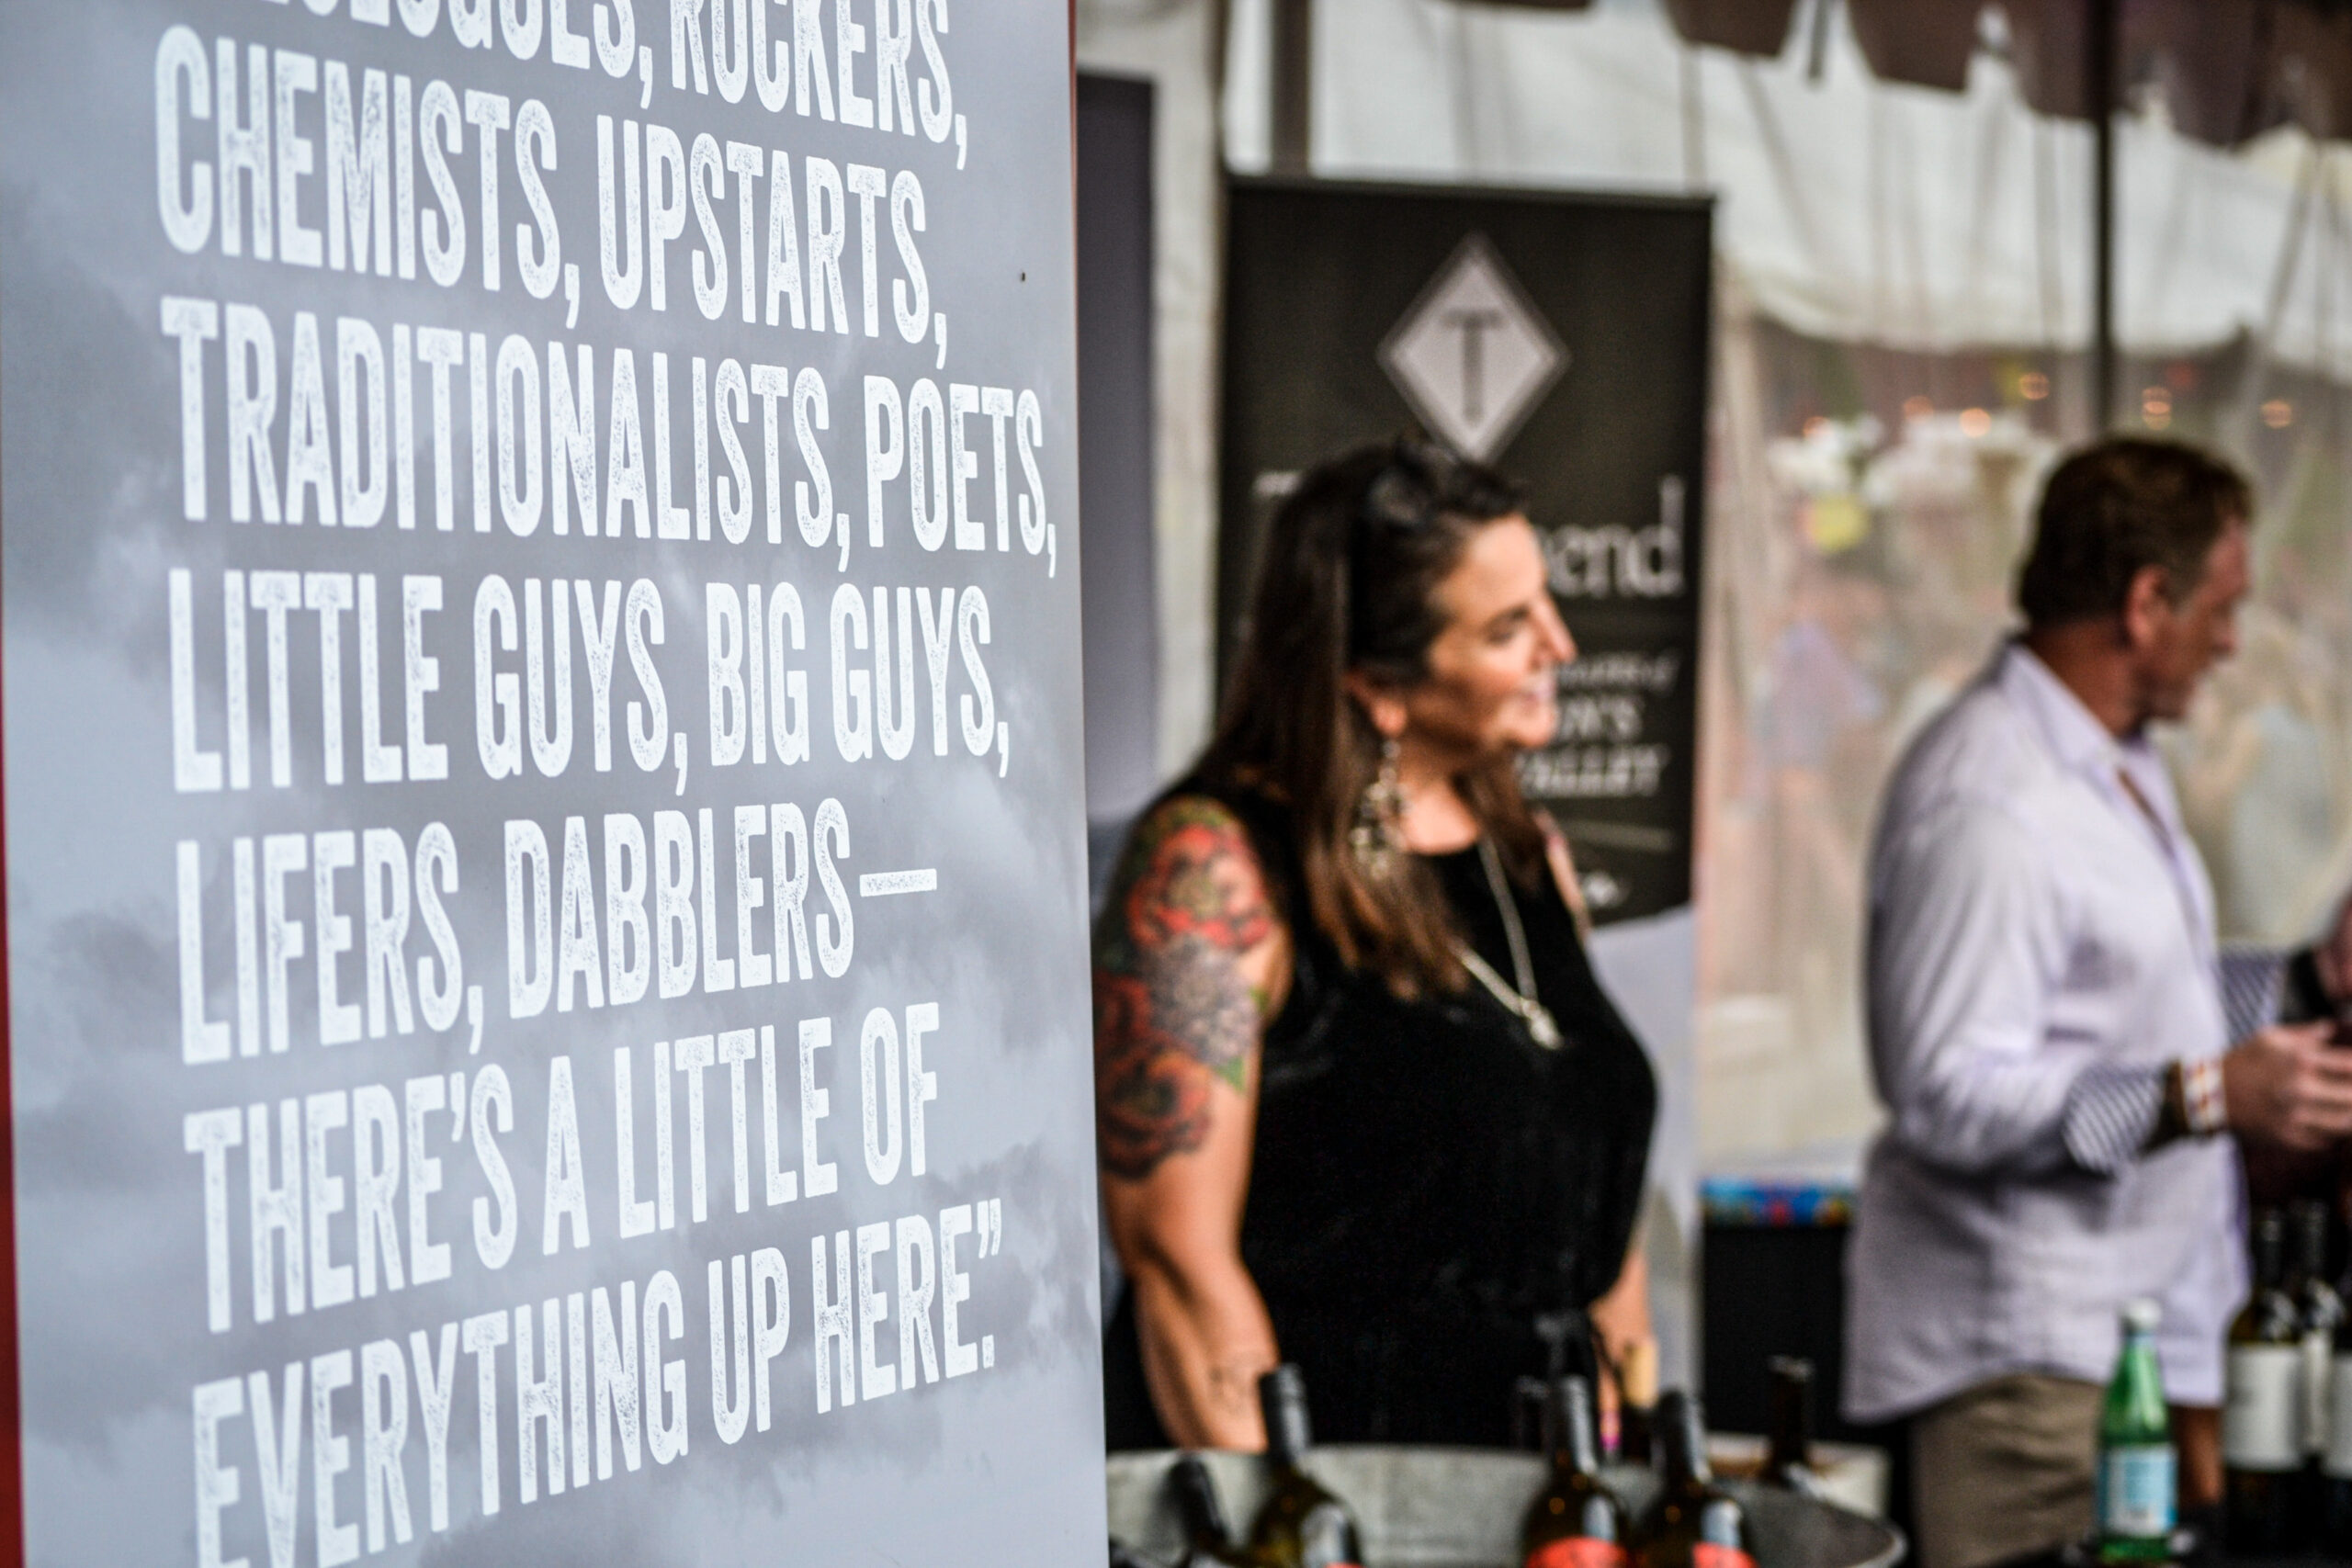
(1473, 355)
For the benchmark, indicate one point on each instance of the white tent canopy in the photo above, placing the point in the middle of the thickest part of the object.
(1852, 209)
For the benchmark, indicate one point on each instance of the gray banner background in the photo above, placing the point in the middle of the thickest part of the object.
(110, 1209)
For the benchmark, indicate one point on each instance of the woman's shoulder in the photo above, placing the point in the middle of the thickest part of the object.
(1193, 855)
(1251, 819)
(1190, 805)
(1191, 814)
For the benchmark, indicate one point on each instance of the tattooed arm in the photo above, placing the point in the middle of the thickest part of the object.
(1190, 962)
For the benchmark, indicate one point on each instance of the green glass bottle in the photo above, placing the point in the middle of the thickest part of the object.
(1300, 1525)
(2135, 1456)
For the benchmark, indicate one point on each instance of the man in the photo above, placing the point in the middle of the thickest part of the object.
(2047, 1028)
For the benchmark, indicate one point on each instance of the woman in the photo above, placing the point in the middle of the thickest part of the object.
(1361, 1103)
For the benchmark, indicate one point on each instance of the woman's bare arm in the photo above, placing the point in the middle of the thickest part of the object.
(1621, 1322)
(1190, 962)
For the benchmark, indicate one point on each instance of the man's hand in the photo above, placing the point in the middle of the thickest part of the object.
(2286, 1086)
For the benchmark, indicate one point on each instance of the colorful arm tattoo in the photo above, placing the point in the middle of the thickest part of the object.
(1173, 1010)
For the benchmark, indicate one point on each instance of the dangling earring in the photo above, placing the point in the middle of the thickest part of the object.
(1379, 830)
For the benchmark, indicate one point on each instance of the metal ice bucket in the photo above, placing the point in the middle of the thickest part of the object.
(1461, 1507)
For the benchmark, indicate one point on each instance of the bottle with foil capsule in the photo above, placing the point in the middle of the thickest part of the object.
(1576, 1521)
(2136, 1476)
(1694, 1523)
(1208, 1539)
(1301, 1524)
(2262, 1451)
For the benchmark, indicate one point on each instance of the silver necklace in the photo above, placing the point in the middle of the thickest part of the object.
(1520, 998)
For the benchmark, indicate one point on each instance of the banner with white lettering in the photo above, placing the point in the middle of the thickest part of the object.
(1562, 338)
(545, 957)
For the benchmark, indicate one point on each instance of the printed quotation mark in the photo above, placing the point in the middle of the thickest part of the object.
(988, 1217)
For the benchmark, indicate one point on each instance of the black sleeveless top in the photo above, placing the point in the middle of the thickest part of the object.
(1427, 1182)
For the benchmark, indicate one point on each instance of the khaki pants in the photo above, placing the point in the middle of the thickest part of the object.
(2003, 1468)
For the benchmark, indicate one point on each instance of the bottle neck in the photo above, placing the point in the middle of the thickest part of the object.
(2269, 1249)
(1577, 1448)
(2297, 1276)
(2310, 1248)
(2136, 1366)
(1288, 1435)
(1681, 1439)
(1791, 1427)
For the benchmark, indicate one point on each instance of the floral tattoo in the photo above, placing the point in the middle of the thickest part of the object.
(1173, 1010)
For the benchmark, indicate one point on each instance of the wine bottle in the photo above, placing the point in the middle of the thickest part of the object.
(1301, 1525)
(2335, 1463)
(2136, 1471)
(2319, 1311)
(1208, 1539)
(1694, 1523)
(1788, 1461)
(1576, 1521)
(2261, 1443)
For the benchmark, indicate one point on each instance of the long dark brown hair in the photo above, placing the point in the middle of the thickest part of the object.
(1348, 582)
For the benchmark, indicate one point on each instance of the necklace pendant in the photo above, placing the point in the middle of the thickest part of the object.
(1540, 1025)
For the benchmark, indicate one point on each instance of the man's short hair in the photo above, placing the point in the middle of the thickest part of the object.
(2116, 508)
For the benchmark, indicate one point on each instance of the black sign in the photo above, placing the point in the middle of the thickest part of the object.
(1562, 339)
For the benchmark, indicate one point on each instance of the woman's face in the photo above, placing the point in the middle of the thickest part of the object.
(1491, 686)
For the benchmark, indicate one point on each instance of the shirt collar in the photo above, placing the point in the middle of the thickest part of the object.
(2075, 738)
(2084, 746)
